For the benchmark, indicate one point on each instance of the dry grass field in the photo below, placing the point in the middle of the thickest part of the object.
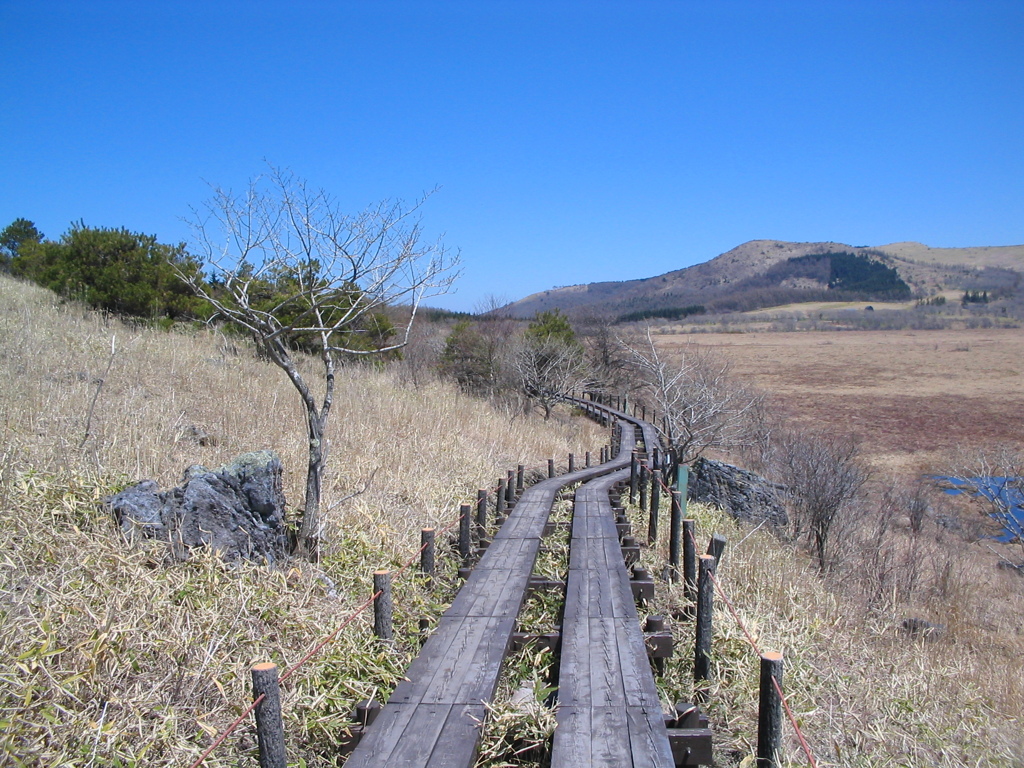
(913, 398)
(116, 656)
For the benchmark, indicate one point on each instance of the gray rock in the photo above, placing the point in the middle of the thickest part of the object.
(745, 495)
(236, 510)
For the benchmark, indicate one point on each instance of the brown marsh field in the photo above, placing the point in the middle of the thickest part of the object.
(913, 398)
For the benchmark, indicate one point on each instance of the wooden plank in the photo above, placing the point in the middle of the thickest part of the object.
(417, 741)
(571, 744)
(638, 681)
(456, 746)
(380, 740)
(610, 744)
(648, 738)
(606, 683)
(574, 665)
(498, 593)
(481, 679)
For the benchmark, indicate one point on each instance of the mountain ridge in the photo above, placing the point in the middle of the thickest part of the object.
(722, 279)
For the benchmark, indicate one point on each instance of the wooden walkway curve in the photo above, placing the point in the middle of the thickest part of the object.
(432, 719)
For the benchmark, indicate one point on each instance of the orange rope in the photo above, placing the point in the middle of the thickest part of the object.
(229, 731)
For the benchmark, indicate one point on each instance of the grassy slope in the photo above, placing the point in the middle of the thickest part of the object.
(117, 657)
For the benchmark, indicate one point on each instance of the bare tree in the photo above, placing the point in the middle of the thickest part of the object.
(550, 369)
(282, 262)
(823, 477)
(703, 406)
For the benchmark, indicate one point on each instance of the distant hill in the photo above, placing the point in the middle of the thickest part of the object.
(763, 273)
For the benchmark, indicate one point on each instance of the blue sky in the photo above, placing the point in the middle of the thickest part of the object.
(573, 141)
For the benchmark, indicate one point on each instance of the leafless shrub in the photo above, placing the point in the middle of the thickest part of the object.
(702, 404)
(550, 369)
(824, 477)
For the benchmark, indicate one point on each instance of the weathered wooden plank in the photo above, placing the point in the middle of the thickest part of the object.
(648, 738)
(606, 674)
(574, 664)
(456, 745)
(638, 682)
(571, 744)
(420, 736)
(380, 740)
(494, 593)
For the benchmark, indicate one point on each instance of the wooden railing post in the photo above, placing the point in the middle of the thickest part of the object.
(499, 503)
(481, 513)
(652, 520)
(769, 711)
(269, 725)
(520, 479)
(465, 522)
(690, 559)
(572, 463)
(642, 481)
(427, 562)
(716, 547)
(382, 605)
(705, 610)
(551, 467)
(633, 479)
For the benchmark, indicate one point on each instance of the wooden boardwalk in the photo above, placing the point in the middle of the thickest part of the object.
(608, 711)
(433, 718)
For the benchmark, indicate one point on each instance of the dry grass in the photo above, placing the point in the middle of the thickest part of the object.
(864, 693)
(912, 397)
(115, 657)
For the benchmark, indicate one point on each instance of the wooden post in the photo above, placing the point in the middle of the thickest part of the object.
(643, 413)
(716, 547)
(674, 538)
(705, 609)
(572, 463)
(427, 564)
(643, 486)
(769, 711)
(269, 726)
(587, 465)
(499, 503)
(632, 477)
(551, 467)
(652, 520)
(382, 605)
(690, 559)
(520, 479)
(481, 513)
(510, 493)
(655, 458)
(464, 529)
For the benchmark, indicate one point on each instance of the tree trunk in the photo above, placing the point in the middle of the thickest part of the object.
(308, 544)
